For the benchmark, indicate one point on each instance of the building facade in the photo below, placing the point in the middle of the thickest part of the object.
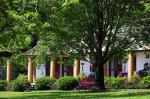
(126, 67)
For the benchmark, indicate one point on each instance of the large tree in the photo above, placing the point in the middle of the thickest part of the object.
(18, 33)
(97, 28)
(17, 26)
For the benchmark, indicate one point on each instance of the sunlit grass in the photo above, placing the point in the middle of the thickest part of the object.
(54, 94)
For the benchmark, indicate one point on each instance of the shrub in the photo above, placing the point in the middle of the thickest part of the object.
(115, 83)
(123, 83)
(82, 75)
(108, 83)
(87, 83)
(119, 83)
(45, 83)
(20, 84)
(134, 84)
(3, 85)
(145, 83)
(66, 83)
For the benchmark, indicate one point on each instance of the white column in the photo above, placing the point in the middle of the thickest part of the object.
(9, 71)
(30, 70)
(130, 66)
(76, 67)
(53, 68)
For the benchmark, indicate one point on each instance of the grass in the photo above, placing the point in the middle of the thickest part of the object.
(116, 94)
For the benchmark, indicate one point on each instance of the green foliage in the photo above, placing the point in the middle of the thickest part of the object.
(146, 82)
(3, 85)
(115, 83)
(82, 74)
(123, 83)
(133, 84)
(108, 83)
(20, 84)
(66, 83)
(45, 83)
(18, 23)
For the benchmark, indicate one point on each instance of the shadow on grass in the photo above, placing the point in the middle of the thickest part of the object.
(78, 95)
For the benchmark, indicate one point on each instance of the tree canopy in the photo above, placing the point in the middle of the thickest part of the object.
(97, 28)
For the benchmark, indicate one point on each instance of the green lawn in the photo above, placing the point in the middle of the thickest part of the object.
(116, 94)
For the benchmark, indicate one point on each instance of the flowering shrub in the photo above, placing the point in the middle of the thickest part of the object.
(87, 83)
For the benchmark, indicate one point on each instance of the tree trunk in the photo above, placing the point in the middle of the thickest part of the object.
(99, 74)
